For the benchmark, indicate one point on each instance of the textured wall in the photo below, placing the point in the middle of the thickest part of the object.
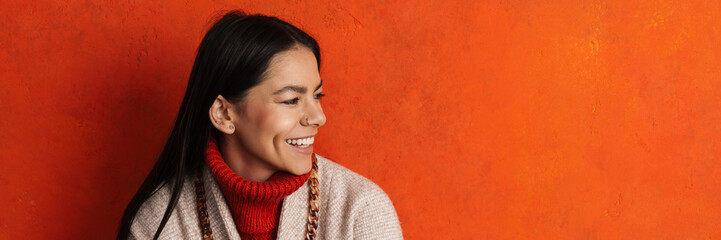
(495, 119)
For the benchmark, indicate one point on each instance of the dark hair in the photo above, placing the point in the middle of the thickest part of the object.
(232, 58)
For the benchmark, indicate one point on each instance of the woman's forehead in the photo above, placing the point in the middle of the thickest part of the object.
(293, 67)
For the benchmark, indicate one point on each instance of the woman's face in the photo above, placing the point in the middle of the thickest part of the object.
(276, 122)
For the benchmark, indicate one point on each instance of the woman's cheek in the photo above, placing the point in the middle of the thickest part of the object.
(278, 123)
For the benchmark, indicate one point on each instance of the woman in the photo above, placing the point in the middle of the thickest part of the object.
(239, 162)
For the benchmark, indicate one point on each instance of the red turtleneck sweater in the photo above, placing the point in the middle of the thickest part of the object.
(255, 206)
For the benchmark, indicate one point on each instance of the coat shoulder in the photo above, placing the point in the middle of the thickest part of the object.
(342, 177)
(148, 217)
(151, 212)
(356, 207)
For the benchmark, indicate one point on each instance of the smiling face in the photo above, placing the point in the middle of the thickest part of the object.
(276, 122)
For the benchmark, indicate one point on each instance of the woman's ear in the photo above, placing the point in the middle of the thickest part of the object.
(220, 117)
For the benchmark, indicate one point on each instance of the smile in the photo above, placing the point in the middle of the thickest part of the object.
(301, 142)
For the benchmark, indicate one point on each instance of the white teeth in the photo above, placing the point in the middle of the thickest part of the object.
(305, 142)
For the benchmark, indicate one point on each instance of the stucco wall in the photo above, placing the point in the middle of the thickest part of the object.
(480, 119)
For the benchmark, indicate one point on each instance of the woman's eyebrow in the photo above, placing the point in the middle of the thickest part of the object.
(294, 88)
(298, 89)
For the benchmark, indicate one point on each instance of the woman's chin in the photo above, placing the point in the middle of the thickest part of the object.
(301, 168)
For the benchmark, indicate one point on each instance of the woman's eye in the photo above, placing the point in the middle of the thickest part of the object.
(319, 95)
(292, 101)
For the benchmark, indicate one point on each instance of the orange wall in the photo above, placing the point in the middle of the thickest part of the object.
(500, 120)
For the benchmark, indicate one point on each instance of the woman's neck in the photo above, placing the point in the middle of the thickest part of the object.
(255, 206)
(242, 162)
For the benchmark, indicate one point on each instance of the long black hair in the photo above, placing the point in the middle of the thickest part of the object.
(232, 58)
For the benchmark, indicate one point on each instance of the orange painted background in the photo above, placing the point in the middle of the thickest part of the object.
(480, 119)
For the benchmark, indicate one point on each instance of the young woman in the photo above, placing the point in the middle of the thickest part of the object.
(239, 162)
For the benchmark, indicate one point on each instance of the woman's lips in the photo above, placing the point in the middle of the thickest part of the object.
(308, 150)
(302, 145)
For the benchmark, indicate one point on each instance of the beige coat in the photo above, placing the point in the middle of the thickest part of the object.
(351, 207)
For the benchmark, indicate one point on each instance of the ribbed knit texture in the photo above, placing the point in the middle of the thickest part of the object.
(254, 205)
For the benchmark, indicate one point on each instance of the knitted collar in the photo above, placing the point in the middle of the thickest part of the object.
(255, 206)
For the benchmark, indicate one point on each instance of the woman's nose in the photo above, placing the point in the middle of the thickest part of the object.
(314, 115)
